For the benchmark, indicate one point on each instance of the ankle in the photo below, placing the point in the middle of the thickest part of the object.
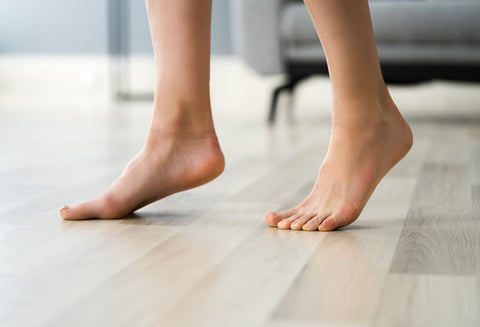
(357, 116)
(171, 138)
(362, 111)
(175, 114)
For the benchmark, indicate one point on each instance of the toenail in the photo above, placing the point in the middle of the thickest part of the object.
(310, 226)
(64, 208)
(323, 228)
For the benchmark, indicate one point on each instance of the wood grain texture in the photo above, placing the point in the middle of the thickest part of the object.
(427, 300)
(73, 273)
(205, 257)
(169, 271)
(344, 277)
(441, 232)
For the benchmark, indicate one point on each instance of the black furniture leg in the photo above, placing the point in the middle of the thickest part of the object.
(288, 86)
(273, 105)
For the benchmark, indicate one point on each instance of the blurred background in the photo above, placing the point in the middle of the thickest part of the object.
(72, 27)
(58, 48)
(100, 52)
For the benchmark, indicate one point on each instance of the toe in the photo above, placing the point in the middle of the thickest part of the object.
(80, 211)
(64, 211)
(313, 223)
(286, 223)
(299, 222)
(273, 218)
(328, 224)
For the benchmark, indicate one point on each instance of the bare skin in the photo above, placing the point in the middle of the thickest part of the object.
(357, 159)
(369, 136)
(181, 150)
(169, 164)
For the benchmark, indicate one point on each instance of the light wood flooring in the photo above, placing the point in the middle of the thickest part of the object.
(205, 257)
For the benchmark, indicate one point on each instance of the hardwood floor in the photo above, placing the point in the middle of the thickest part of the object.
(205, 257)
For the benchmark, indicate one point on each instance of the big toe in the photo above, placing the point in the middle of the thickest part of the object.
(328, 224)
(80, 211)
(273, 219)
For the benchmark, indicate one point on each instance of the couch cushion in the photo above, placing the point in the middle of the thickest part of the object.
(398, 22)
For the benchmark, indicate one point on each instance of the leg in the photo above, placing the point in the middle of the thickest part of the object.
(181, 150)
(369, 136)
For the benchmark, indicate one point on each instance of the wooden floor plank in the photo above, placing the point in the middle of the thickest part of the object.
(170, 270)
(44, 290)
(243, 289)
(342, 281)
(428, 300)
(441, 234)
(288, 183)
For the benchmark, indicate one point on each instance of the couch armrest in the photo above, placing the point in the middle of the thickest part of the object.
(255, 27)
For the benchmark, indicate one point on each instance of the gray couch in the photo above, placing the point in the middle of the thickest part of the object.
(416, 40)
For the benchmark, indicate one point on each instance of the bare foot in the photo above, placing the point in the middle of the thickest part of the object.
(359, 156)
(173, 160)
